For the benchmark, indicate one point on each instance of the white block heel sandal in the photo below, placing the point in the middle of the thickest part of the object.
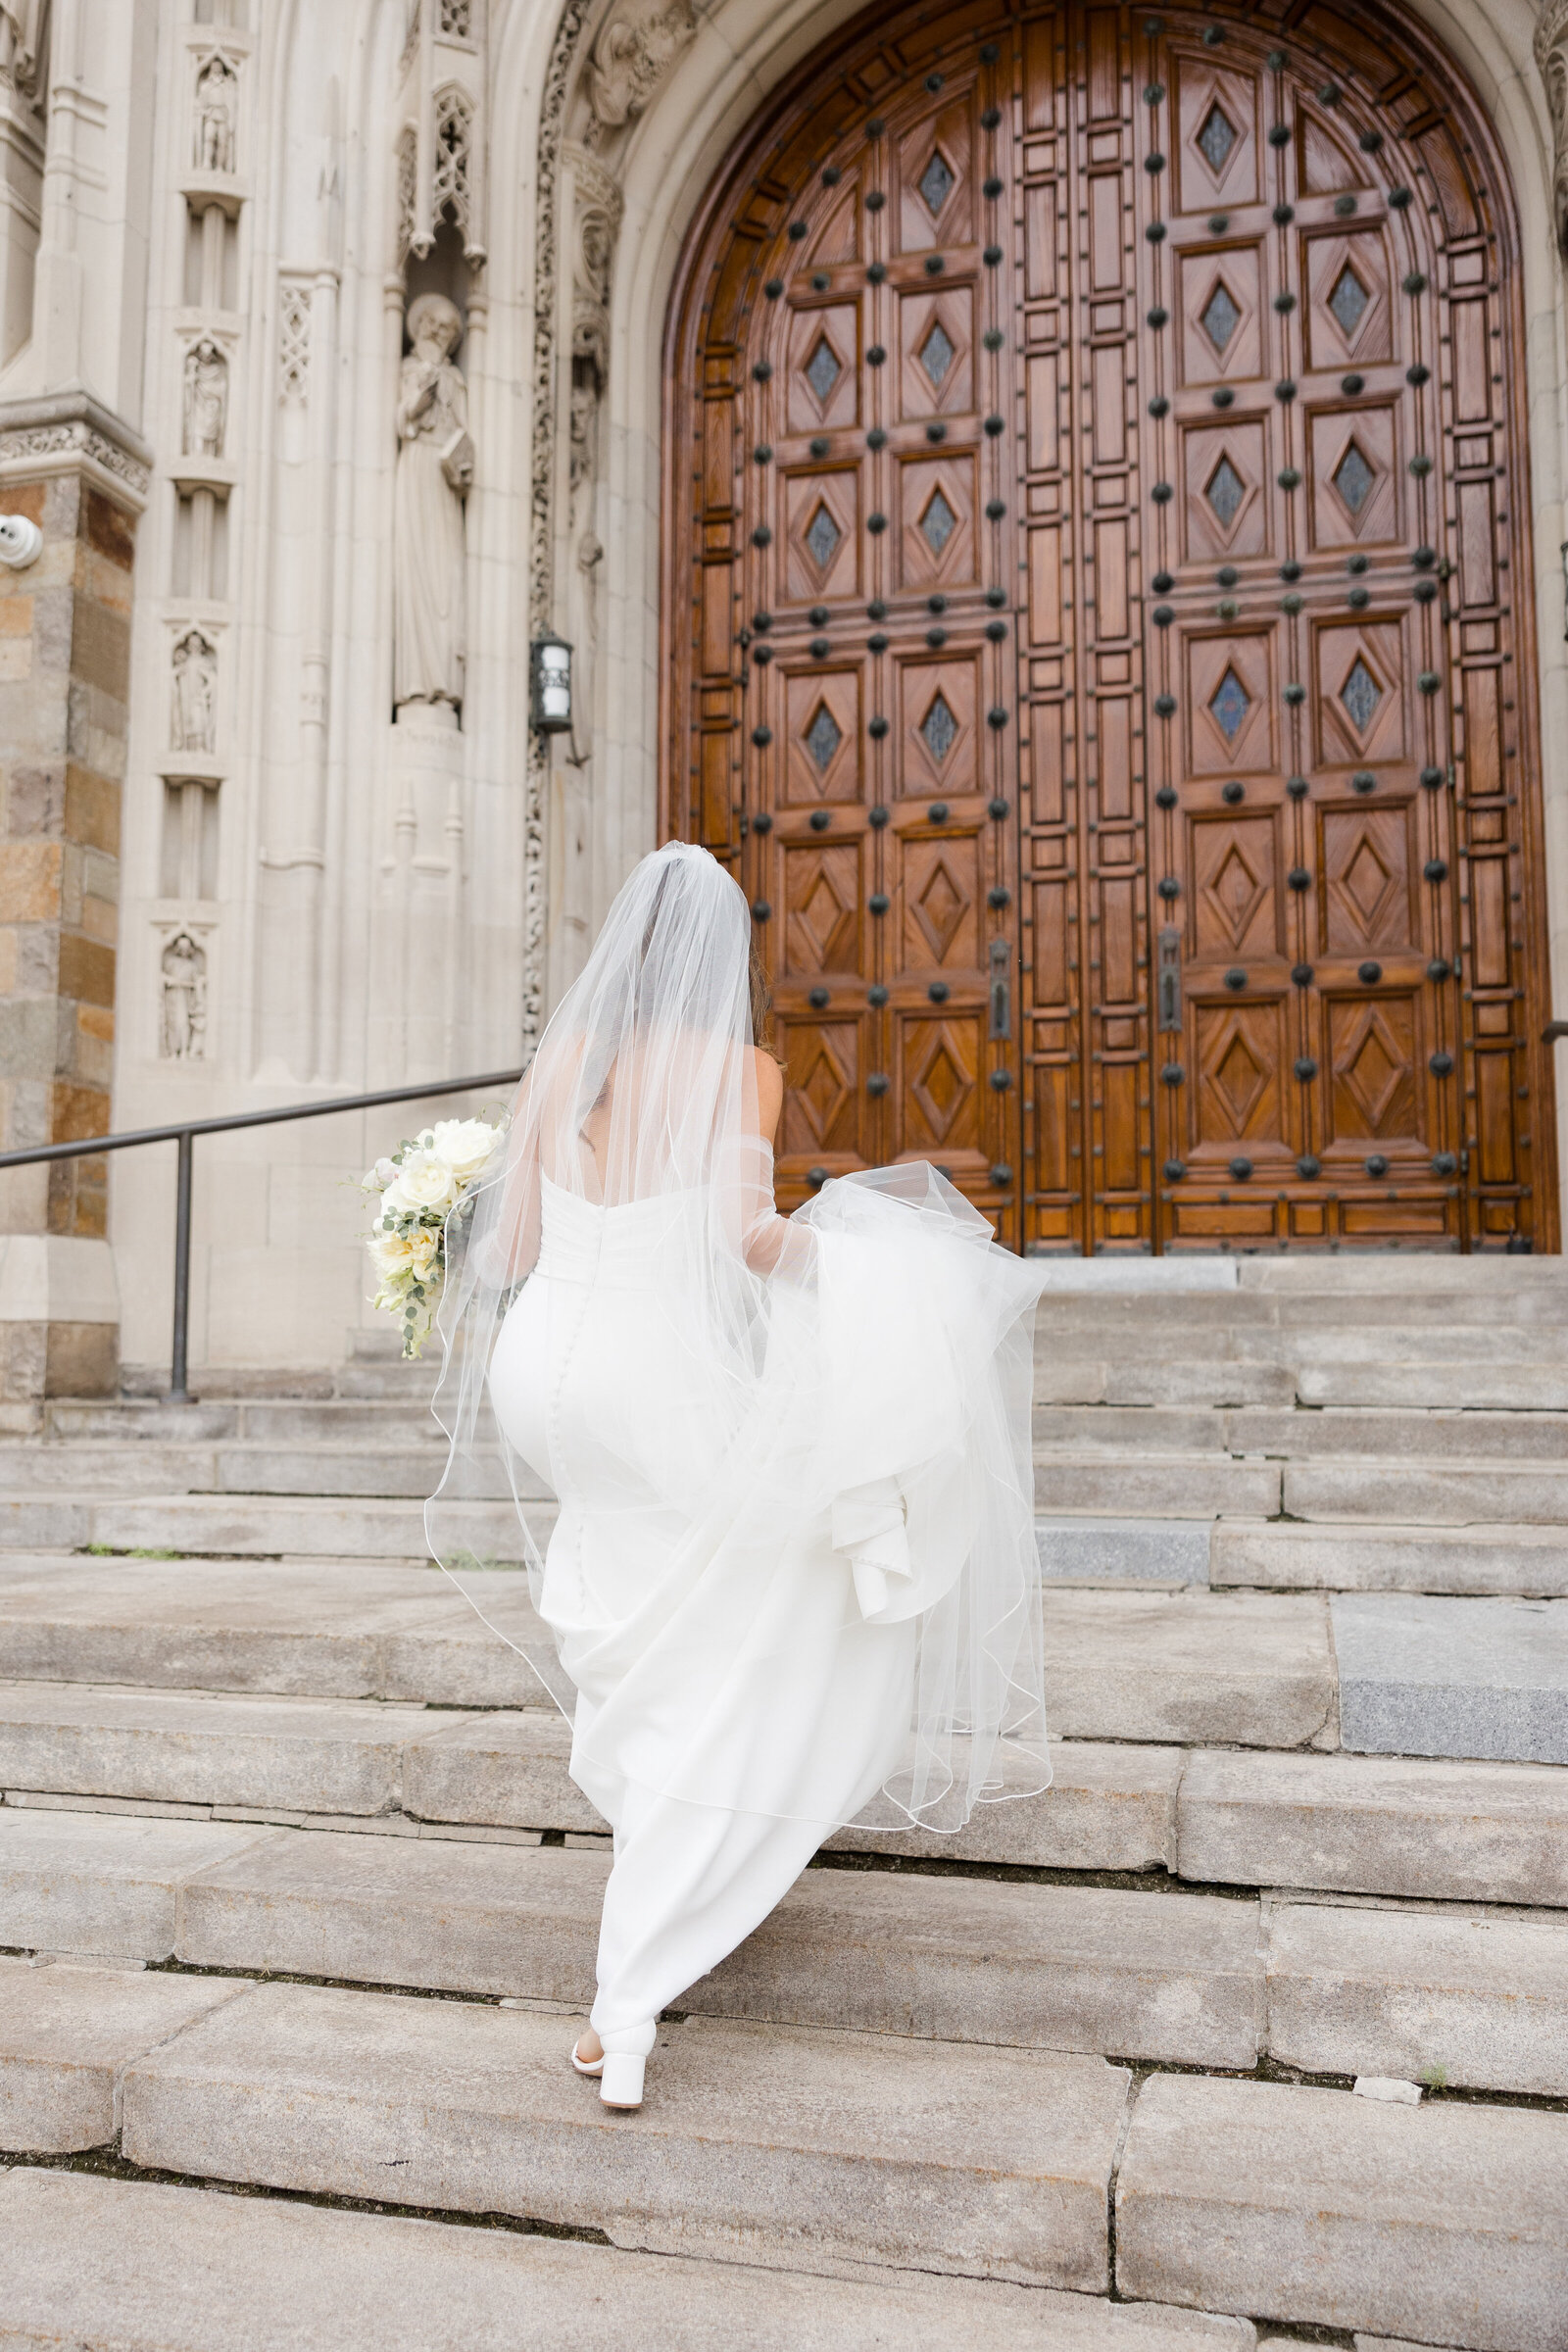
(625, 2059)
(586, 2066)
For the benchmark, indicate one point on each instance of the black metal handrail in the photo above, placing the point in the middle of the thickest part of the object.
(182, 1133)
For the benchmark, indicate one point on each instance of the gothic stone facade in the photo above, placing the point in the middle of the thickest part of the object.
(340, 342)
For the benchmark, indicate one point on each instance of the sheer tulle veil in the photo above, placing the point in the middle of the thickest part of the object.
(847, 1402)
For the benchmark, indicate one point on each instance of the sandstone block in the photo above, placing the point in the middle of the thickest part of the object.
(100, 1881)
(1105, 1969)
(505, 1769)
(1252, 1668)
(66, 2037)
(1372, 1824)
(1108, 1807)
(1443, 2223)
(1440, 1493)
(91, 2261)
(309, 1755)
(1430, 1997)
(762, 2143)
(1181, 1486)
(1531, 1560)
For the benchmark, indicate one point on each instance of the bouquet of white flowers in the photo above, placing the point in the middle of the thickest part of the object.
(417, 1190)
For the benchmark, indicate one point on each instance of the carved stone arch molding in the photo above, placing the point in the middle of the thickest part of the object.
(611, 69)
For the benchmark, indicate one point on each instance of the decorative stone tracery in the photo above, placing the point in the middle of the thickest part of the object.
(1551, 57)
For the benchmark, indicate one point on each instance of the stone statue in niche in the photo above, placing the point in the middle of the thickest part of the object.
(193, 713)
(215, 88)
(206, 399)
(587, 555)
(632, 55)
(185, 1008)
(434, 472)
(23, 26)
(1551, 58)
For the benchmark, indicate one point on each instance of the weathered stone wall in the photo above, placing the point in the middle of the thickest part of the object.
(65, 669)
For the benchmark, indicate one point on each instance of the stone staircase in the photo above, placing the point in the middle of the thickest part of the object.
(297, 1899)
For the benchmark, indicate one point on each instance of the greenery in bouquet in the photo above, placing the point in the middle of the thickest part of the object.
(417, 1187)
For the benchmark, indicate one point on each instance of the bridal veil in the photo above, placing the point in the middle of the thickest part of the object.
(774, 1443)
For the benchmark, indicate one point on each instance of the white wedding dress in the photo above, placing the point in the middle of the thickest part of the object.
(790, 1581)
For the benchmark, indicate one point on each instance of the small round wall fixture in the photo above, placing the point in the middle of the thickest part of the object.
(20, 542)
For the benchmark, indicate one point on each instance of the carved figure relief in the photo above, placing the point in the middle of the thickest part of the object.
(183, 1023)
(206, 400)
(434, 472)
(193, 702)
(1551, 57)
(598, 209)
(217, 89)
(632, 55)
(24, 30)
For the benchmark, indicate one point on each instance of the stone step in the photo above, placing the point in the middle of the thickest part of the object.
(1376, 1825)
(761, 2143)
(1438, 1494)
(1286, 1556)
(67, 2033)
(1099, 1970)
(389, 1468)
(1370, 1825)
(1442, 1677)
(273, 1526)
(1118, 1663)
(1516, 1387)
(97, 2262)
(1351, 1435)
(344, 1629)
(264, 1421)
(1438, 2224)
(1110, 1972)
(1446, 2000)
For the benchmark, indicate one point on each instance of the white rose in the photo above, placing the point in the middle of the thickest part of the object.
(391, 1254)
(424, 1185)
(377, 1179)
(466, 1145)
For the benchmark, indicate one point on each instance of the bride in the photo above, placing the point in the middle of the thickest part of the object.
(792, 1579)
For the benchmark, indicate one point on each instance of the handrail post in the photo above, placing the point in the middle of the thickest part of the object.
(178, 1393)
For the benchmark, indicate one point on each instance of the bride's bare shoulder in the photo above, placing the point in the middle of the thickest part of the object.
(770, 1078)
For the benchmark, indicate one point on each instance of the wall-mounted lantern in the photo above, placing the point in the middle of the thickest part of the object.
(20, 542)
(549, 676)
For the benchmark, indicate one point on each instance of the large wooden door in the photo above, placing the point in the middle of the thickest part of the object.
(1095, 491)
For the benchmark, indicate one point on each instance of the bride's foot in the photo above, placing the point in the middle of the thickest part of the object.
(588, 2054)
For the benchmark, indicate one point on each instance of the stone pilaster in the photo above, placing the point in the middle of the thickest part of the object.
(65, 669)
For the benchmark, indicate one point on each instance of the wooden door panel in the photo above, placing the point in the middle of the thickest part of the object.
(1367, 903)
(822, 534)
(942, 903)
(936, 200)
(937, 539)
(941, 1092)
(1214, 113)
(1224, 490)
(936, 352)
(1230, 700)
(1100, 519)
(824, 739)
(1239, 1050)
(1355, 496)
(1221, 291)
(823, 910)
(938, 728)
(1363, 693)
(1374, 1086)
(823, 1103)
(824, 368)
(1349, 306)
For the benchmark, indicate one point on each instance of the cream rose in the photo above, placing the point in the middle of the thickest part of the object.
(391, 1254)
(466, 1145)
(424, 1186)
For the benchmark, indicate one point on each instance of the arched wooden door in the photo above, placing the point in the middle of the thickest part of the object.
(1097, 601)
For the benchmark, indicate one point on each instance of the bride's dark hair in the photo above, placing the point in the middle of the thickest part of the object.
(761, 1000)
